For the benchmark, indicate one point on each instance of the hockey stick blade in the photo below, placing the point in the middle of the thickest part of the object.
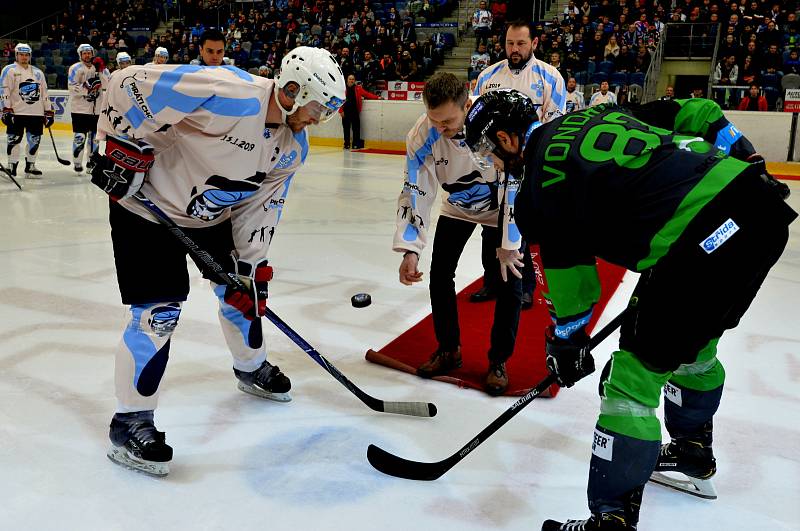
(8, 174)
(59, 159)
(415, 409)
(393, 465)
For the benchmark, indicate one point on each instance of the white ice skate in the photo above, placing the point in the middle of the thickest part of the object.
(702, 488)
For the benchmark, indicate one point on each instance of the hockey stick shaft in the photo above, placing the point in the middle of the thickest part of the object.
(8, 174)
(55, 150)
(403, 468)
(417, 409)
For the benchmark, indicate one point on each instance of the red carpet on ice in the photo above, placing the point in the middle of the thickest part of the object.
(526, 367)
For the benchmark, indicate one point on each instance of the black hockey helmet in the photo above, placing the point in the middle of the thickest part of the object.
(498, 110)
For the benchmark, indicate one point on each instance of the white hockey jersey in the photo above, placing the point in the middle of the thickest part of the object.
(214, 158)
(24, 90)
(540, 81)
(434, 161)
(598, 98)
(575, 101)
(80, 81)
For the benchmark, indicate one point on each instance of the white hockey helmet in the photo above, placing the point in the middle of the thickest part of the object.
(22, 48)
(320, 80)
(227, 61)
(85, 48)
(123, 57)
(163, 52)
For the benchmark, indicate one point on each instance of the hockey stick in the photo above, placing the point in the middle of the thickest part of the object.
(59, 159)
(396, 466)
(8, 174)
(415, 409)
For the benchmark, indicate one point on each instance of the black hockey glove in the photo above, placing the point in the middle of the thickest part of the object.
(568, 360)
(782, 189)
(49, 118)
(252, 302)
(8, 116)
(121, 171)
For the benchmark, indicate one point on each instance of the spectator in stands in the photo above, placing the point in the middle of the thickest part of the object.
(748, 73)
(571, 11)
(792, 64)
(497, 54)
(370, 72)
(624, 61)
(8, 49)
(753, 101)
(725, 73)
(773, 60)
(408, 69)
(555, 62)
(238, 55)
(345, 62)
(611, 50)
(407, 32)
(575, 98)
(603, 95)
(351, 112)
(669, 94)
(479, 60)
(642, 61)
(730, 46)
(482, 24)
(388, 68)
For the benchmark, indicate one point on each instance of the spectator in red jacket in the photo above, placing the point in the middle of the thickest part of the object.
(351, 112)
(753, 101)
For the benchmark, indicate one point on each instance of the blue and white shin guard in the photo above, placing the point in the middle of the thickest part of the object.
(12, 148)
(143, 354)
(78, 142)
(33, 147)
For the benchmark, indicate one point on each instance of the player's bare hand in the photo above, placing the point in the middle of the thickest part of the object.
(509, 261)
(409, 273)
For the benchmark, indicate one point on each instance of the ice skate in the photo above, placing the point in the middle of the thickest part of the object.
(12, 168)
(596, 522)
(78, 167)
(265, 382)
(136, 444)
(89, 165)
(31, 171)
(687, 464)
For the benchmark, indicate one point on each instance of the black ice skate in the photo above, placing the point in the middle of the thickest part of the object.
(89, 165)
(596, 522)
(78, 168)
(136, 444)
(265, 382)
(12, 168)
(31, 171)
(687, 464)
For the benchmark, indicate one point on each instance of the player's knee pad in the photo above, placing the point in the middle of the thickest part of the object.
(631, 392)
(147, 337)
(33, 144)
(250, 331)
(78, 141)
(13, 143)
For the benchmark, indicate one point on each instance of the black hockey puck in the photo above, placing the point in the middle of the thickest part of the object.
(360, 300)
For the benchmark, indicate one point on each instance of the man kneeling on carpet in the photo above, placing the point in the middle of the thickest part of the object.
(438, 156)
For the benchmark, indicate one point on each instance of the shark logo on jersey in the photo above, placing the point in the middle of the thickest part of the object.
(471, 193)
(286, 160)
(222, 193)
(539, 88)
(29, 91)
(164, 319)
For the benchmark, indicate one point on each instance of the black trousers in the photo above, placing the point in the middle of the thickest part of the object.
(351, 119)
(448, 243)
(691, 296)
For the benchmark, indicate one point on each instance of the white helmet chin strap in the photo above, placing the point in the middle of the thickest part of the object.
(284, 112)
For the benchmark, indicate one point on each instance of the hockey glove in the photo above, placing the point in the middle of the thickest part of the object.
(252, 301)
(568, 360)
(782, 189)
(8, 116)
(93, 87)
(49, 118)
(121, 171)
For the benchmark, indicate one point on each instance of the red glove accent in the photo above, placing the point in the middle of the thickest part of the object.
(252, 302)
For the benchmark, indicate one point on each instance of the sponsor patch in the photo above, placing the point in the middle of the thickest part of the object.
(603, 445)
(719, 236)
(475, 110)
(673, 394)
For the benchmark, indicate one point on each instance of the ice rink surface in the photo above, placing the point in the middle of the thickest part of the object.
(243, 463)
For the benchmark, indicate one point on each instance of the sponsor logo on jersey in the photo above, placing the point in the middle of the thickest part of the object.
(603, 445)
(410, 186)
(135, 95)
(673, 394)
(719, 236)
(286, 160)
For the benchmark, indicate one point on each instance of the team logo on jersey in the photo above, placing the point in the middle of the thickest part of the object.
(538, 87)
(164, 319)
(29, 91)
(286, 160)
(221, 194)
(471, 193)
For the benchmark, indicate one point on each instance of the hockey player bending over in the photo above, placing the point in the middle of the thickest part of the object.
(26, 108)
(603, 183)
(437, 157)
(216, 149)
